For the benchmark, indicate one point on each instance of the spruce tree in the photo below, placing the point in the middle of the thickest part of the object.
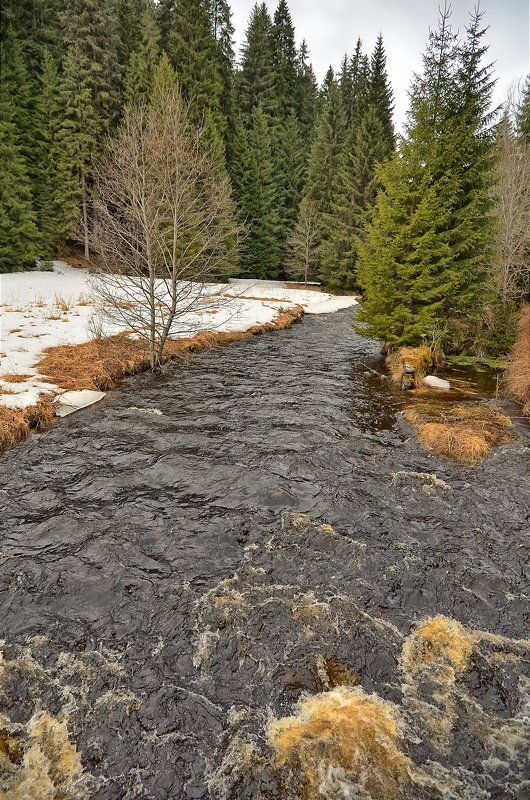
(354, 195)
(424, 255)
(256, 78)
(19, 238)
(261, 255)
(48, 184)
(290, 175)
(380, 94)
(326, 153)
(77, 143)
(192, 50)
(223, 32)
(523, 113)
(306, 95)
(91, 27)
(285, 59)
(143, 59)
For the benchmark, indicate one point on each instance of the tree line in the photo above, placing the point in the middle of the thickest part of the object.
(425, 225)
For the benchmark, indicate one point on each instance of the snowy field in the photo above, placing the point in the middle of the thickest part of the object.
(44, 309)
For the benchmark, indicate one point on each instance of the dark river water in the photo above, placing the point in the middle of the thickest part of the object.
(244, 579)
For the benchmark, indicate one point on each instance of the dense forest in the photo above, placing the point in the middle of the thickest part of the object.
(430, 226)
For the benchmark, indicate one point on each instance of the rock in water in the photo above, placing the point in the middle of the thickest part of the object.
(436, 383)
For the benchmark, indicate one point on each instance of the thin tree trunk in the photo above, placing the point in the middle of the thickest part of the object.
(85, 217)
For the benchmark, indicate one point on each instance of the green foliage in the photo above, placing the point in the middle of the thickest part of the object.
(285, 59)
(19, 236)
(256, 83)
(77, 138)
(354, 195)
(193, 52)
(48, 185)
(523, 113)
(91, 30)
(426, 251)
(261, 255)
(143, 58)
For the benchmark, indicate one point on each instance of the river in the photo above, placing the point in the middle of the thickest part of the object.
(244, 579)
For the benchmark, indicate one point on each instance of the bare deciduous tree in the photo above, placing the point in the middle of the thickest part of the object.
(163, 220)
(304, 241)
(512, 208)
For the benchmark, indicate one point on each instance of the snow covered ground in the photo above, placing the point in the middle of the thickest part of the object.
(45, 309)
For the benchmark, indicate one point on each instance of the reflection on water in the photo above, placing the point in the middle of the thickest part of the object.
(266, 591)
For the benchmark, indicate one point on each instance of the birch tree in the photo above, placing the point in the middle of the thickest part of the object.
(163, 220)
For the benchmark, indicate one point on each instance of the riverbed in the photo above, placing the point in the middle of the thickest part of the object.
(186, 564)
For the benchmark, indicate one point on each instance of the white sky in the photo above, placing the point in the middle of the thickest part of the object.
(331, 28)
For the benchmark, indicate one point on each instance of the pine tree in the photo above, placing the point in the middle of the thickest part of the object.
(143, 59)
(19, 238)
(192, 50)
(48, 184)
(290, 175)
(353, 198)
(523, 113)
(77, 143)
(261, 257)
(256, 78)
(306, 95)
(326, 153)
(91, 27)
(285, 59)
(380, 94)
(223, 32)
(425, 251)
(470, 156)
(359, 95)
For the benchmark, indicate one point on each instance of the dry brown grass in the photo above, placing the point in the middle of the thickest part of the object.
(518, 373)
(252, 297)
(15, 330)
(16, 423)
(306, 288)
(464, 433)
(417, 357)
(100, 363)
(14, 377)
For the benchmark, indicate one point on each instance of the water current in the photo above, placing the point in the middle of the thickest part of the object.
(243, 579)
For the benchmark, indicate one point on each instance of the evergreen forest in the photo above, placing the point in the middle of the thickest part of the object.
(415, 223)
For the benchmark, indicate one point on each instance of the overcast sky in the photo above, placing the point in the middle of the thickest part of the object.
(331, 28)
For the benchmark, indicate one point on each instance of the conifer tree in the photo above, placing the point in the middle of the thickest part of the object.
(192, 50)
(380, 94)
(359, 93)
(290, 174)
(326, 153)
(143, 59)
(256, 78)
(48, 182)
(91, 27)
(523, 113)
(77, 143)
(425, 251)
(285, 59)
(223, 32)
(354, 195)
(19, 238)
(306, 95)
(261, 256)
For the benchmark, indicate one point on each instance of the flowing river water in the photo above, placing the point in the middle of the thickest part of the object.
(244, 579)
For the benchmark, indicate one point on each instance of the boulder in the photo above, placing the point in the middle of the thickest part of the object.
(436, 383)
